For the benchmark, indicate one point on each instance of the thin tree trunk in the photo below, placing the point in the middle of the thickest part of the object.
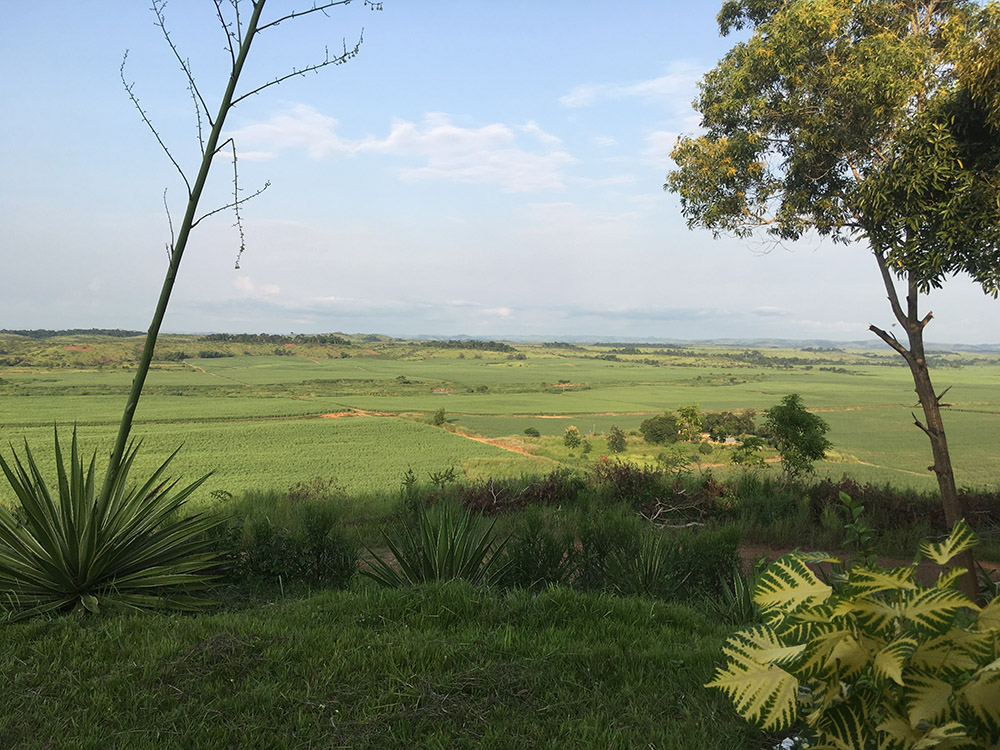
(190, 216)
(930, 401)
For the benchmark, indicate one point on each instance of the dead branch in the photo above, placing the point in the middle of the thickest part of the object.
(170, 223)
(300, 13)
(149, 124)
(340, 59)
(200, 104)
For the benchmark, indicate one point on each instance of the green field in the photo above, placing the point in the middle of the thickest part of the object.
(256, 419)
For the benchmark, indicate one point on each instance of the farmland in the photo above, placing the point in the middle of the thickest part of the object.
(260, 414)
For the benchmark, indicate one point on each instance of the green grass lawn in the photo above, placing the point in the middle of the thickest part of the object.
(445, 666)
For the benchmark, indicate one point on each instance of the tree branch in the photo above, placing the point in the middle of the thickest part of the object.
(941, 396)
(298, 14)
(890, 288)
(158, 6)
(890, 340)
(149, 124)
(338, 60)
(925, 430)
(170, 223)
(227, 29)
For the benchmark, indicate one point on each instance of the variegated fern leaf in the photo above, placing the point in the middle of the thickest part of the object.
(761, 690)
(959, 540)
(788, 584)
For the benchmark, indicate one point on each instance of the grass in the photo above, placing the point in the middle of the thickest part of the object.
(445, 666)
(253, 416)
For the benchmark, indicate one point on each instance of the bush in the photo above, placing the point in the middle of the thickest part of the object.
(797, 435)
(660, 430)
(86, 547)
(532, 432)
(879, 662)
(540, 553)
(439, 417)
(450, 543)
(571, 438)
(616, 440)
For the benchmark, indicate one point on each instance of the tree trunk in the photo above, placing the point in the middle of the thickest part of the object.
(933, 425)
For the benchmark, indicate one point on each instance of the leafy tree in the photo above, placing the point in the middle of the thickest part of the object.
(874, 121)
(532, 432)
(660, 429)
(571, 438)
(747, 453)
(797, 435)
(724, 424)
(616, 440)
(689, 421)
(439, 417)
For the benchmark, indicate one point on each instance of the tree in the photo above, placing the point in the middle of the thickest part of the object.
(689, 420)
(439, 418)
(798, 436)
(571, 438)
(239, 30)
(616, 439)
(660, 429)
(875, 122)
(124, 543)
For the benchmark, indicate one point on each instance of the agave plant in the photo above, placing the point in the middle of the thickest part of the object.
(79, 548)
(450, 543)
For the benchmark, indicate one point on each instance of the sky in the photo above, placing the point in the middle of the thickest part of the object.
(486, 169)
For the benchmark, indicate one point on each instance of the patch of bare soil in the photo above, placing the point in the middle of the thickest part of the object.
(497, 442)
(77, 348)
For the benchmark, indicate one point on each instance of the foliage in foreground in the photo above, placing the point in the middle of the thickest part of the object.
(450, 543)
(444, 665)
(80, 548)
(879, 662)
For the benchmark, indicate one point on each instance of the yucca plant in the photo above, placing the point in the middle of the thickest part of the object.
(450, 543)
(881, 662)
(80, 549)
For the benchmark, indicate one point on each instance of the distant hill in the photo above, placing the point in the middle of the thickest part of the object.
(45, 333)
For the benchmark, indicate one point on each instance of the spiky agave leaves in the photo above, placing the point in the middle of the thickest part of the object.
(78, 548)
(879, 662)
(450, 543)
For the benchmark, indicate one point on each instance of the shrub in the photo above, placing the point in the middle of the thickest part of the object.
(797, 435)
(439, 417)
(606, 535)
(84, 548)
(532, 432)
(571, 438)
(880, 662)
(540, 554)
(662, 429)
(616, 440)
(450, 543)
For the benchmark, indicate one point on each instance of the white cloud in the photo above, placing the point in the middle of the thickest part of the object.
(245, 285)
(488, 154)
(658, 145)
(605, 141)
(676, 89)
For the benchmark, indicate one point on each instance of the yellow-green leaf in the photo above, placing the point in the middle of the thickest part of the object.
(959, 540)
(889, 662)
(989, 617)
(764, 694)
(944, 737)
(983, 696)
(951, 652)
(845, 726)
(787, 583)
(870, 581)
(948, 577)
(932, 610)
(925, 697)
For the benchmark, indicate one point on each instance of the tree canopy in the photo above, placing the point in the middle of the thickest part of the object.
(875, 120)
(871, 121)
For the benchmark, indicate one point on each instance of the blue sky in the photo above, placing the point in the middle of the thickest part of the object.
(487, 169)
